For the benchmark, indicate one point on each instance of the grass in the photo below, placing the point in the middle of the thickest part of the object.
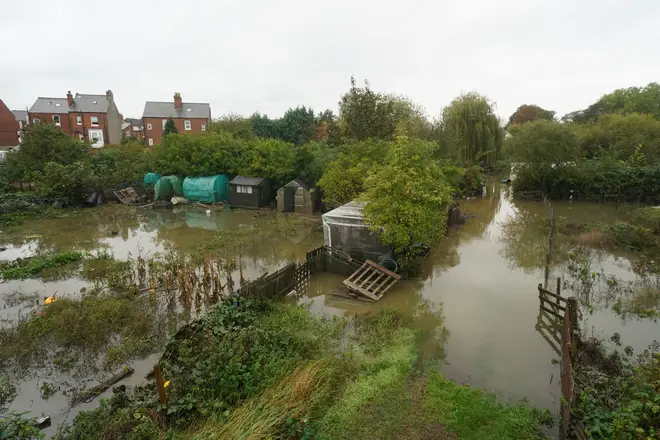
(29, 267)
(471, 413)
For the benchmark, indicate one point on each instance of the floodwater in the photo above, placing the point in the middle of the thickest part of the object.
(476, 300)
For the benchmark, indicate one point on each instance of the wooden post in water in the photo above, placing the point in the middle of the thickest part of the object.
(558, 288)
(160, 385)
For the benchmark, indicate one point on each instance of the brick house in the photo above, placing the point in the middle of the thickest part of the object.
(188, 117)
(93, 118)
(23, 120)
(8, 128)
(132, 127)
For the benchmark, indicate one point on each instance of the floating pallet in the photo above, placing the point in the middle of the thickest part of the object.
(371, 280)
(126, 196)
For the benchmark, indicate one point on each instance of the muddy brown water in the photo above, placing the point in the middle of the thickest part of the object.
(476, 299)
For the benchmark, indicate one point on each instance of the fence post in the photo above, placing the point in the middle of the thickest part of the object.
(160, 385)
(558, 288)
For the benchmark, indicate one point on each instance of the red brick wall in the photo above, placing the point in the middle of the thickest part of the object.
(48, 117)
(156, 132)
(87, 124)
(8, 127)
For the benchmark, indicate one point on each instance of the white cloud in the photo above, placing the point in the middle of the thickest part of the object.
(246, 56)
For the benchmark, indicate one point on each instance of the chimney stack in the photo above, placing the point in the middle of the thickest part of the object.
(69, 98)
(177, 101)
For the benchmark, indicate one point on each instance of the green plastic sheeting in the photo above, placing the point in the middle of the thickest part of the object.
(150, 179)
(168, 187)
(211, 189)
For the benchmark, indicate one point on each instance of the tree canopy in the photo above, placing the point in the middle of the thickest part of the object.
(471, 131)
(528, 113)
(644, 100)
(169, 127)
(365, 114)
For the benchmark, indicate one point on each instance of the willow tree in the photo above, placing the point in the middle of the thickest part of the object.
(471, 131)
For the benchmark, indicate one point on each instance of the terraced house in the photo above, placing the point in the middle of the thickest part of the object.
(93, 118)
(188, 117)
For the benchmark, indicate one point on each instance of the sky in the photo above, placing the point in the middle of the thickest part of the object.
(243, 56)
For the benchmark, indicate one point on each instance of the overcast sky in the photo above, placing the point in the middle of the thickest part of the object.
(244, 56)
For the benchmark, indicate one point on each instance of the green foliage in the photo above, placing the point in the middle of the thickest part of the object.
(312, 160)
(15, 426)
(344, 177)
(623, 101)
(408, 197)
(465, 411)
(21, 269)
(7, 390)
(238, 126)
(169, 128)
(528, 113)
(297, 126)
(619, 136)
(366, 114)
(114, 166)
(263, 126)
(247, 346)
(620, 399)
(471, 131)
(67, 183)
(42, 144)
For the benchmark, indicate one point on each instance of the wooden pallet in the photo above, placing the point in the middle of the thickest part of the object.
(371, 280)
(126, 196)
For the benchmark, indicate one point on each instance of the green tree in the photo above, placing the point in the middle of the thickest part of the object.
(312, 159)
(43, 143)
(410, 118)
(263, 126)
(169, 127)
(471, 131)
(344, 177)
(68, 183)
(408, 197)
(528, 113)
(644, 100)
(271, 158)
(239, 126)
(297, 126)
(365, 114)
(116, 165)
(327, 128)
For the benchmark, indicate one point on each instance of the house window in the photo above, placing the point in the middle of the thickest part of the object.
(148, 126)
(79, 120)
(151, 141)
(128, 132)
(164, 122)
(203, 127)
(242, 189)
(20, 125)
(81, 136)
(187, 125)
(56, 120)
(35, 120)
(94, 120)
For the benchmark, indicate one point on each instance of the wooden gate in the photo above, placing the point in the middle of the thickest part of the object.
(371, 280)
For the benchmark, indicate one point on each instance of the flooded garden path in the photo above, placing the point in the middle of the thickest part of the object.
(476, 298)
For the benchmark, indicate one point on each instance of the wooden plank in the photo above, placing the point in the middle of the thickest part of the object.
(359, 290)
(160, 384)
(366, 271)
(552, 304)
(388, 287)
(383, 269)
(381, 285)
(380, 275)
(543, 291)
(356, 273)
(551, 312)
(371, 275)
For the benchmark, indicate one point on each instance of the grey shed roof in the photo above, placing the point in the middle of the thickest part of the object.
(20, 115)
(154, 109)
(50, 105)
(247, 181)
(90, 103)
(298, 183)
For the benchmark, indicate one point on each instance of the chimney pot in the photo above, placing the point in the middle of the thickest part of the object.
(177, 101)
(69, 98)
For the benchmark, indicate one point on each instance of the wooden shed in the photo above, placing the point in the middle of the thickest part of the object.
(250, 192)
(297, 196)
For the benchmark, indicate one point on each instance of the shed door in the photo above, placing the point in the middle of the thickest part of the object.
(289, 199)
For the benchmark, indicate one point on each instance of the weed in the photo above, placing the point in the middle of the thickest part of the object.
(26, 268)
(15, 426)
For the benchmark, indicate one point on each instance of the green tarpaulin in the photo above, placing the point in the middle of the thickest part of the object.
(150, 179)
(211, 189)
(168, 187)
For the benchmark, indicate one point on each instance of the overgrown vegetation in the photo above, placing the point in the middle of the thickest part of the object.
(26, 268)
(620, 396)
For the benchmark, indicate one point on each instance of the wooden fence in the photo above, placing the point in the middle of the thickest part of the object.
(551, 302)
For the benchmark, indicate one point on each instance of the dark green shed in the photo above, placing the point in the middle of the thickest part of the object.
(250, 192)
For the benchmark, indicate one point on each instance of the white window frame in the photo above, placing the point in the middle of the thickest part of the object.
(187, 125)
(91, 121)
(148, 126)
(203, 127)
(243, 189)
(81, 136)
(79, 120)
(164, 122)
(151, 141)
(57, 122)
(36, 120)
